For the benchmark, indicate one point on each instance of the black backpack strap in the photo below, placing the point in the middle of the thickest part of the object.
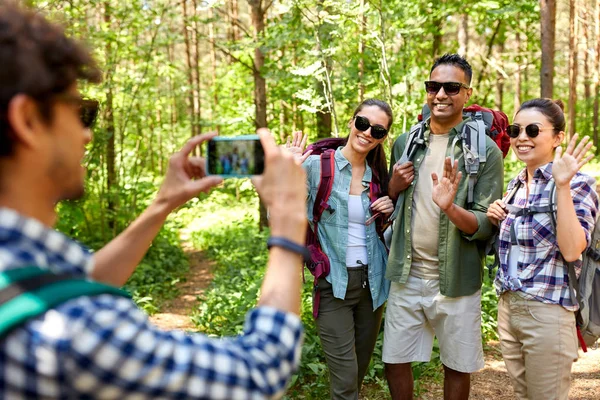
(415, 139)
(492, 247)
(28, 292)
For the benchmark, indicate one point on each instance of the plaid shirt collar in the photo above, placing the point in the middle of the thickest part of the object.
(543, 172)
(27, 241)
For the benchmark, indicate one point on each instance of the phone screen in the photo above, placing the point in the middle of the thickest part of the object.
(240, 156)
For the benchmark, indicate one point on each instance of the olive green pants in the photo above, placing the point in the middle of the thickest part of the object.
(348, 330)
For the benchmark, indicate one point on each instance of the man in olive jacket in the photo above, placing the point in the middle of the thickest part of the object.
(438, 247)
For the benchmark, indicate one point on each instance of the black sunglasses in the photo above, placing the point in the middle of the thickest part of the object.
(88, 108)
(88, 112)
(450, 88)
(362, 124)
(532, 130)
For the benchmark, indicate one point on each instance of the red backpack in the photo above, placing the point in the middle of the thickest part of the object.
(319, 265)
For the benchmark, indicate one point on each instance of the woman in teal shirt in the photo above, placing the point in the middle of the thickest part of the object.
(352, 295)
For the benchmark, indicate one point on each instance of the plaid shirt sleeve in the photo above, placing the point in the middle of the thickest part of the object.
(115, 353)
(585, 200)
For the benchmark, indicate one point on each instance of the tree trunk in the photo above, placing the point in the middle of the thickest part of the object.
(235, 18)
(596, 75)
(260, 88)
(548, 26)
(198, 87)
(213, 66)
(573, 7)
(324, 118)
(587, 80)
(109, 119)
(361, 52)
(517, 90)
(188, 53)
(499, 81)
(463, 35)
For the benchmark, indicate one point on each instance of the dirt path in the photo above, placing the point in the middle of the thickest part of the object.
(493, 383)
(175, 314)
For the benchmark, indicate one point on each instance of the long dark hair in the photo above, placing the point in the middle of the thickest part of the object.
(376, 157)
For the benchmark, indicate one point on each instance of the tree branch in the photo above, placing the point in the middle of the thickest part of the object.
(236, 21)
(228, 53)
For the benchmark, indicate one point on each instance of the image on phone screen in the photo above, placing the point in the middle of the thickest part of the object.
(235, 157)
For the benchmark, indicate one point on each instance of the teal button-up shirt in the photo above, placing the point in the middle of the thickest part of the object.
(461, 256)
(333, 228)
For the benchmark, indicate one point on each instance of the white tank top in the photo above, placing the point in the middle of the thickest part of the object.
(357, 237)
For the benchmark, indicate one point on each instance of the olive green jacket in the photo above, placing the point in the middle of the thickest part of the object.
(461, 256)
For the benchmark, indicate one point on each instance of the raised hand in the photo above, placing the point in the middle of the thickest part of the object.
(444, 189)
(297, 146)
(186, 176)
(496, 212)
(282, 188)
(567, 163)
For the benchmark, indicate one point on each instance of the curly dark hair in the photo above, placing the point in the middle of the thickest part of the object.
(38, 60)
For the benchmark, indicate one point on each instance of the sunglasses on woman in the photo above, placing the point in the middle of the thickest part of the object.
(532, 130)
(450, 88)
(363, 124)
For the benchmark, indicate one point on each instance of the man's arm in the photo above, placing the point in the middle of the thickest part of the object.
(282, 188)
(186, 178)
(111, 337)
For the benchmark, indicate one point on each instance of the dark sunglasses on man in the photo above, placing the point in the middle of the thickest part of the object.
(532, 130)
(450, 88)
(363, 123)
(88, 108)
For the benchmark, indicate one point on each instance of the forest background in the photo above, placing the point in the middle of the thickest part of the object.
(174, 69)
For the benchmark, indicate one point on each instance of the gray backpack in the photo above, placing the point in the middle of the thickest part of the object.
(586, 289)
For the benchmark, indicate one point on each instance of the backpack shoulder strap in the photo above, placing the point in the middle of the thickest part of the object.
(28, 292)
(325, 185)
(474, 149)
(416, 138)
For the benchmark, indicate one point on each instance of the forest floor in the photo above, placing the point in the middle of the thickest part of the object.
(490, 383)
(176, 313)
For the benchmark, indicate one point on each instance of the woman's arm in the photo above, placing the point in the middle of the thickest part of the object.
(570, 235)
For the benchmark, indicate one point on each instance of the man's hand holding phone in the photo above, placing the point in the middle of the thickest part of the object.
(186, 176)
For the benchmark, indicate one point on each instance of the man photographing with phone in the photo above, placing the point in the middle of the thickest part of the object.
(101, 345)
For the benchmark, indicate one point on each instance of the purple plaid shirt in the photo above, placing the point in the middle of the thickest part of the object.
(541, 269)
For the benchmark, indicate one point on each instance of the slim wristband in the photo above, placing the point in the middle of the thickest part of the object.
(289, 245)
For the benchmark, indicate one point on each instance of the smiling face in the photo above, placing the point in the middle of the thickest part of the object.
(537, 151)
(362, 142)
(447, 110)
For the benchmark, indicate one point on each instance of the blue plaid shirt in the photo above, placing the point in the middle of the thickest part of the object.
(104, 346)
(333, 228)
(541, 269)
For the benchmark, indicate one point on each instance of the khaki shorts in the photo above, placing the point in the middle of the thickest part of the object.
(416, 312)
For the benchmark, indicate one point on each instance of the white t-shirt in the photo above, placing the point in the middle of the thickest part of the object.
(357, 236)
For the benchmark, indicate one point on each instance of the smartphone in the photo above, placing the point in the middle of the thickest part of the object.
(235, 157)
